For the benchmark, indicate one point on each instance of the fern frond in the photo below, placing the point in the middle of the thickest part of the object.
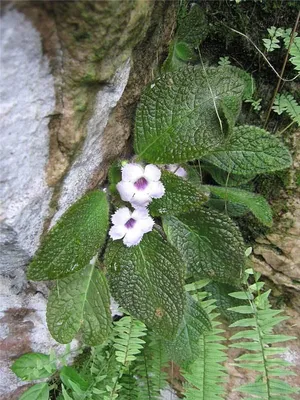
(257, 339)
(127, 339)
(287, 103)
(206, 375)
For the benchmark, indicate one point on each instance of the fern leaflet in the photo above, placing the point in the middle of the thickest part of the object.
(287, 103)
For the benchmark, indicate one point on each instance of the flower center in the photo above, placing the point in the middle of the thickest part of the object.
(141, 183)
(130, 223)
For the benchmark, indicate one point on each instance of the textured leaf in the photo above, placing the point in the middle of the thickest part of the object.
(74, 240)
(193, 27)
(40, 391)
(230, 209)
(185, 346)
(147, 280)
(251, 150)
(176, 119)
(257, 204)
(80, 301)
(33, 366)
(224, 178)
(209, 242)
(180, 196)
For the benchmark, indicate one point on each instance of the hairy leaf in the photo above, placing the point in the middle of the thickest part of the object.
(257, 204)
(40, 391)
(193, 27)
(209, 242)
(80, 301)
(147, 280)
(184, 115)
(251, 150)
(180, 196)
(185, 347)
(73, 241)
(33, 366)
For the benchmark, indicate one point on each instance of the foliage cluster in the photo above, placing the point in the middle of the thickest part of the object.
(190, 269)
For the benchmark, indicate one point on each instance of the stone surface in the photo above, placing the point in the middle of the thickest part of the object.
(72, 74)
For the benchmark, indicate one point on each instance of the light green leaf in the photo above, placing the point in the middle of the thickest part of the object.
(257, 204)
(251, 150)
(33, 366)
(185, 347)
(40, 391)
(183, 115)
(69, 374)
(147, 280)
(209, 242)
(180, 196)
(74, 240)
(80, 301)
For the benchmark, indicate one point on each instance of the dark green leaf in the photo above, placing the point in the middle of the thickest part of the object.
(183, 115)
(257, 204)
(180, 196)
(224, 178)
(40, 391)
(209, 242)
(69, 374)
(147, 280)
(230, 209)
(80, 301)
(251, 150)
(185, 347)
(74, 240)
(193, 26)
(33, 366)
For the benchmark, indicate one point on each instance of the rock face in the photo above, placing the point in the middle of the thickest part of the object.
(72, 73)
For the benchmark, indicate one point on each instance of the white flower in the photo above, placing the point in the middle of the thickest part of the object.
(130, 226)
(177, 170)
(140, 185)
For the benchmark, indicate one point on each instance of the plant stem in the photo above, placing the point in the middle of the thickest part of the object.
(282, 70)
(287, 127)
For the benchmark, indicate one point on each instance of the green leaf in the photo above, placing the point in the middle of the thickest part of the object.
(73, 241)
(209, 242)
(193, 27)
(33, 366)
(224, 178)
(182, 115)
(185, 346)
(80, 301)
(287, 103)
(180, 196)
(251, 150)
(69, 374)
(183, 51)
(40, 391)
(230, 209)
(257, 204)
(147, 280)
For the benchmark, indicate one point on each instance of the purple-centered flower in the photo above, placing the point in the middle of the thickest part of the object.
(130, 226)
(177, 170)
(140, 185)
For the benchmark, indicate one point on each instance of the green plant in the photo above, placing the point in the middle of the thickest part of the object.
(189, 118)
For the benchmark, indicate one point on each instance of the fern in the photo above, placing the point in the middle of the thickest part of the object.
(205, 377)
(272, 42)
(127, 339)
(258, 339)
(286, 103)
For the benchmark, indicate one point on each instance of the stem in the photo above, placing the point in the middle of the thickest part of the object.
(287, 127)
(282, 70)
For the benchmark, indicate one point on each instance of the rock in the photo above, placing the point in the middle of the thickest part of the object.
(72, 74)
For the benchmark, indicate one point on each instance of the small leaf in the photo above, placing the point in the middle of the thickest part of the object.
(257, 204)
(183, 115)
(80, 301)
(209, 242)
(73, 241)
(185, 347)
(251, 150)
(180, 196)
(33, 366)
(69, 374)
(40, 391)
(147, 280)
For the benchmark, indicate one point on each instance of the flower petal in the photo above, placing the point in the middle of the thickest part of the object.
(117, 232)
(132, 172)
(145, 224)
(140, 213)
(156, 190)
(133, 237)
(126, 190)
(121, 216)
(181, 172)
(152, 173)
(140, 199)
